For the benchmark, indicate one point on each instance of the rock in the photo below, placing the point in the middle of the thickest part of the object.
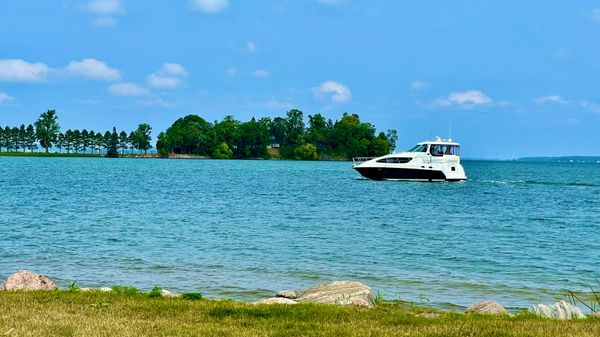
(487, 308)
(559, 310)
(167, 293)
(345, 293)
(28, 281)
(596, 314)
(86, 289)
(276, 300)
(105, 289)
(291, 294)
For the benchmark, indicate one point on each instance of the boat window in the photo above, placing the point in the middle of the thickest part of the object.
(437, 150)
(395, 160)
(419, 148)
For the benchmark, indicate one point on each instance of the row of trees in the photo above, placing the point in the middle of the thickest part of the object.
(46, 132)
(321, 139)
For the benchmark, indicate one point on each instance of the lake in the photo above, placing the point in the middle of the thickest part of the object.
(515, 232)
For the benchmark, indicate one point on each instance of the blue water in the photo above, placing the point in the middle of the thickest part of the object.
(518, 233)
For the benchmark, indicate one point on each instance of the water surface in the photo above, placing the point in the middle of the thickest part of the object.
(518, 233)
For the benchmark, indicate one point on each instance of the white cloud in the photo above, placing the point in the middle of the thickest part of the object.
(105, 22)
(550, 99)
(595, 15)
(15, 70)
(168, 77)
(93, 69)
(5, 97)
(249, 48)
(590, 106)
(210, 6)
(419, 85)
(105, 7)
(261, 73)
(231, 71)
(338, 92)
(127, 89)
(466, 98)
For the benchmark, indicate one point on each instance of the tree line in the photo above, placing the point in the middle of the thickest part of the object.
(46, 132)
(286, 137)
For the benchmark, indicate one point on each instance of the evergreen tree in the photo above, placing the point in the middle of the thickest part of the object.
(31, 139)
(123, 141)
(113, 143)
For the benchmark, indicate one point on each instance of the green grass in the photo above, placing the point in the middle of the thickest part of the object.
(75, 313)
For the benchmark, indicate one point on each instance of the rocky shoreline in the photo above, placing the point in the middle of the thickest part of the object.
(342, 293)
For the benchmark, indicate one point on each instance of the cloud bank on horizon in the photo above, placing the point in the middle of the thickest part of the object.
(512, 79)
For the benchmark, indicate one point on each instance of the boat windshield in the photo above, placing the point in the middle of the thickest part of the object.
(445, 150)
(419, 148)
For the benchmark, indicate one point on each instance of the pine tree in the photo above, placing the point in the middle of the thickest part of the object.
(113, 143)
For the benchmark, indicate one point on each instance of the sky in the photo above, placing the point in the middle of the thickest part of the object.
(508, 78)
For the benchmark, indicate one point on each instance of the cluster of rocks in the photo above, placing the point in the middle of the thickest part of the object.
(344, 293)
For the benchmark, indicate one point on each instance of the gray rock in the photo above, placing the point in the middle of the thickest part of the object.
(344, 293)
(105, 289)
(276, 300)
(291, 294)
(85, 289)
(559, 310)
(167, 293)
(28, 281)
(487, 308)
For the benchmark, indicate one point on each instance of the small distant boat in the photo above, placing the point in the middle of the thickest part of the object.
(437, 160)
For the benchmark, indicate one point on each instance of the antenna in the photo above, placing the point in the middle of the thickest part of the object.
(450, 132)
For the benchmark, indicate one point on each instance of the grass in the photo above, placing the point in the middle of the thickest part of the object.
(124, 313)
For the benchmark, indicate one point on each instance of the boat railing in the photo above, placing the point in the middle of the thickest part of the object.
(360, 160)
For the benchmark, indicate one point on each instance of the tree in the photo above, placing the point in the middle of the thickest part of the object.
(392, 138)
(69, 140)
(106, 140)
(123, 141)
(99, 141)
(47, 129)
(31, 139)
(306, 152)
(113, 143)
(60, 141)
(14, 135)
(143, 136)
(191, 134)
(22, 137)
(222, 151)
(85, 140)
(77, 143)
(92, 140)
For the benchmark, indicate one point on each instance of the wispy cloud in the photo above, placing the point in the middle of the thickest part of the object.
(595, 15)
(16, 70)
(170, 76)
(93, 69)
(5, 97)
(210, 6)
(127, 89)
(105, 11)
(337, 92)
(260, 73)
(466, 99)
(274, 104)
(550, 99)
(419, 85)
(231, 71)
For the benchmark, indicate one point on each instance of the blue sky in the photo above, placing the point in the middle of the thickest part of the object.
(512, 78)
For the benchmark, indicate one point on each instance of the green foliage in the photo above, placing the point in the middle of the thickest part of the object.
(306, 152)
(222, 151)
(113, 143)
(73, 286)
(192, 296)
(126, 290)
(47, 129)
(155, 292)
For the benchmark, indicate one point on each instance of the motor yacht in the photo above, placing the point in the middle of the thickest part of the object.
(437, 160)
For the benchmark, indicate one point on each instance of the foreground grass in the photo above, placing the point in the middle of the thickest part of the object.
(113, 314)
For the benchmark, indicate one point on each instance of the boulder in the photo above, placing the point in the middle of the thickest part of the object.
(86, 289)
(167, 293)
(487, 308)
(559, 310)
(291, 294)
(276, 300)
(28, 281)
(105, 289)
(344, 293)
